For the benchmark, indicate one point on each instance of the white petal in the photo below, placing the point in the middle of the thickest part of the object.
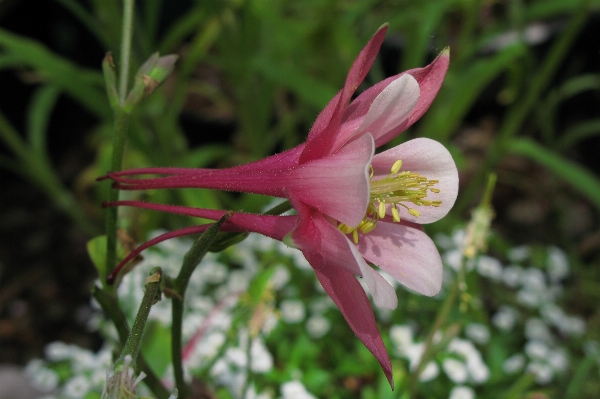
(391, 107)
(429, 159)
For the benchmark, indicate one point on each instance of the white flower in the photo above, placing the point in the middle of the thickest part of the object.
(292, 310)
(511, 275)
(77, 387)
(453, 258)
(42, 378)
(462, 392)
(542, 372)
(401, 336)
(236, 356)
(536, 329)
(533, 279)
(514, 364)
(57, 351)
(455, 370)
(261, 360)
(531, 299)
(430, 372)
(558, 265)
(537, 350)
(295, 390)
(478, 370)
(280, 277)
(317, 326)
(519, 254)
(489, 267)
(478, 333)
(558, 360)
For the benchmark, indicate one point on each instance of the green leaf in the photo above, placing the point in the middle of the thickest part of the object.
(96, 248)
(39, 117)
(461, 90)
(85, 85)
(577, 176)
(305, 87)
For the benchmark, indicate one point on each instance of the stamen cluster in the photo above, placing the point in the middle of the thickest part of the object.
(396, 189)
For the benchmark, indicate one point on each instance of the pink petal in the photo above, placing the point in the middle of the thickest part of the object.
(430, 159)
(430, 80)
(337, 186)
(384, 295)
(321, 140)
(320, 241)
(391, 107)
(350, 298)
(407, 254)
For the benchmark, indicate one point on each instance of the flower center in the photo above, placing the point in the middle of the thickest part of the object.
(399, 188)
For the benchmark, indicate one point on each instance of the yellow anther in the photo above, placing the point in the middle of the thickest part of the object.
(355, 236)
(368, 227)
(396, 166)
(395, 214)
(414, 212)
(434, 190)
(381, 210)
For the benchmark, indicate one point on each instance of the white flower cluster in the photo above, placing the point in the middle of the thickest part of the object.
(462, 362)
(88, 370)
(536, 290)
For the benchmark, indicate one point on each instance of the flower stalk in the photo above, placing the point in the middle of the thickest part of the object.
(190, 261)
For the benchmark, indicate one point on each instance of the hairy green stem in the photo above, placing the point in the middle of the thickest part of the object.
(110, 306)
(190, 261)
(152, 294)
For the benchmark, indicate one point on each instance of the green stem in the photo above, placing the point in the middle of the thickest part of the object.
(110, 306)
(437, 325)
(125, 48)
(190, 261)
(152, 294)
(119, 139)
(120, 135)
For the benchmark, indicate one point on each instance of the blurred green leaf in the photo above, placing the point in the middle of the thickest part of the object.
(305, 87)
(581, 131)
(85, 85)
(38, 118)
(461, 89)
(96, 248)
(578, 177)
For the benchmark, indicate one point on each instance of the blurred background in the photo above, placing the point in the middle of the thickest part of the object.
(521, 98)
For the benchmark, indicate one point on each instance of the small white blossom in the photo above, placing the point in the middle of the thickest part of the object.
(401, 336)
(542, 372)
(537, 350)
(478, 333)
(295, 390)
(261, 360)
(77, 387)
(558, 265)
(430, 372)
(536, 329)
(462, 392)
(558, 360)
(280, 277)
(511, 275)
(519, 254)
(455, 370)
(531, 299)
(317, 326)
(514, 364)
(489, 267)
(292, 310)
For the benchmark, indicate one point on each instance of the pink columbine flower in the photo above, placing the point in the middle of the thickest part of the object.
(353, 207)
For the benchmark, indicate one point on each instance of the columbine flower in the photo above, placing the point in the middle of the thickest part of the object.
(353, 207)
